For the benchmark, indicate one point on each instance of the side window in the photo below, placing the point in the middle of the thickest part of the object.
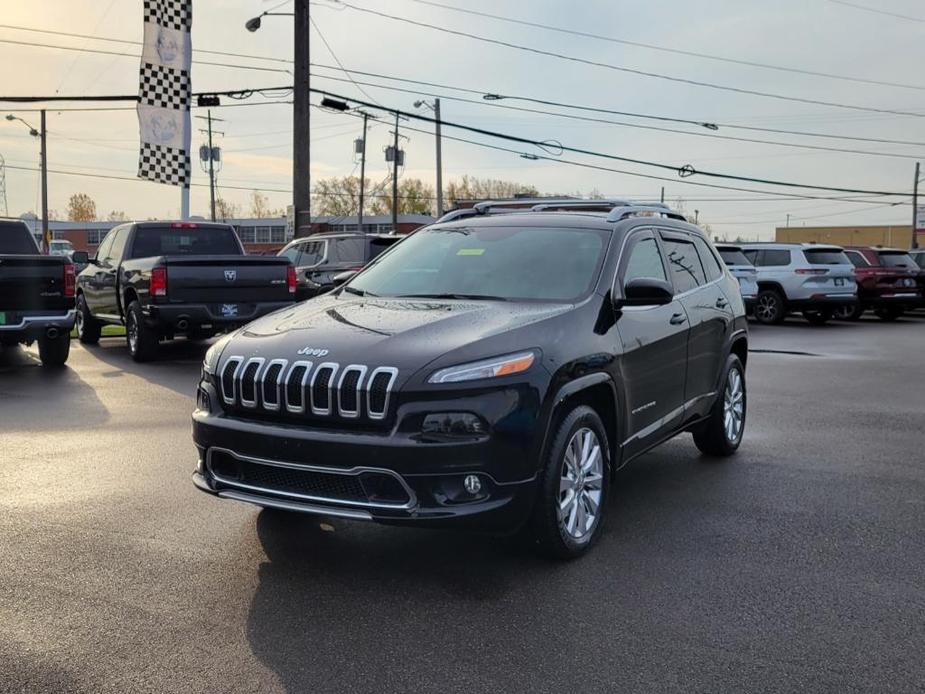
(312, 253)
(683, 265)
(117, 251)
(645, 261)
(103, 251)
(753, 256)
(775, 258)
(708, 259)
(293, 253)
(348, 251)
(856, 259)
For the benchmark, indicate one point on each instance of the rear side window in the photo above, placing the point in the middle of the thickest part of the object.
(683, 265)
(733, 256)
(16, 239)
(165, 240)
(896, 260)
(312, 253)
(293, 253)
(774, 258)
(920, 259)
(825, 256)
(857, 259)
(645, 262)
(378, 246)
(708, 260)
(348, 251)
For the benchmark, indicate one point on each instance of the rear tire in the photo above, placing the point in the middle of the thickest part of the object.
(721, 434)
(141, 340)
(852, 312)
(889, 313)
(769, 307)
(88, 328)
(818, 316)
(573, 486)
(54, 351)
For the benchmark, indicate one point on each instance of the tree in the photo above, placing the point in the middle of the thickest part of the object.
(225, 209)
(339, 196)
(472, 188)
(81, 208)
(414, 197)
(260, 206)
(117, 216)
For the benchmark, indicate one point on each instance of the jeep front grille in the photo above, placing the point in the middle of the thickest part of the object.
(302, 387)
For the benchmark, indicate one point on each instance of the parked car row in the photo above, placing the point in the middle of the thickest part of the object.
(824, 281)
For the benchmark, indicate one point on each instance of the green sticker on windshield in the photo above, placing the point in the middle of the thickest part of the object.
(470, 251)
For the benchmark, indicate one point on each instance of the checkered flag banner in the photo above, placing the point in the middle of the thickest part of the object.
(164, 92)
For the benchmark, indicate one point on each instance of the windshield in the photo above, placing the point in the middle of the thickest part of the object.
(897, 260)
(733, 256)
(920, 259)
(166, 240)
(826, 256)
(507, 263)
(16, 239)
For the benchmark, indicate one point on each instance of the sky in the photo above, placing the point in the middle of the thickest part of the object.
(826, 36)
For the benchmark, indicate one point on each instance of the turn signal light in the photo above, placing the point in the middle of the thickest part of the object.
(70, 281)
(290, 279)
(159, 281)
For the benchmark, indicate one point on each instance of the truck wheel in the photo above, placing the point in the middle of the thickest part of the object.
(721, 433)
(54, 351)
(849, 312)
(889, 314)
(88, 328)
(572, 495)
(769, 307)
(818, 317)
(142, 341)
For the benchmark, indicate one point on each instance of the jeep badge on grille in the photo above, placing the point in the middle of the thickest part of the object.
(312, 352)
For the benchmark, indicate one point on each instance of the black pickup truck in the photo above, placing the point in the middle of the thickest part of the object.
(36, 295)
(161, 279)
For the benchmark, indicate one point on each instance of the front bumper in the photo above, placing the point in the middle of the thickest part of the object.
(181, 318)
(31, 326)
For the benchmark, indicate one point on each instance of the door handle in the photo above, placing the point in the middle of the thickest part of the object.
(677, 319)
(721, 303)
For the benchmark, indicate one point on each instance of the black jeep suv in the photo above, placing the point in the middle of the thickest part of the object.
(490, 371)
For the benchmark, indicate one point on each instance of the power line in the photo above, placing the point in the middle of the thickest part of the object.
(683, 171)
(620, 68)
(337, 60)
(631, 125)
(676, 51)
(878, 11)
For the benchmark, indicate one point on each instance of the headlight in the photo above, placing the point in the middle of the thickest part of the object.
(210, 361)
(488, 368)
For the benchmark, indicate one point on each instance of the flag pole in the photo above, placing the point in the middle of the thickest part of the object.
(184, 203)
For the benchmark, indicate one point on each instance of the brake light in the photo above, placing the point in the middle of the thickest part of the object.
(184, 225)
(810, 271)
(159, 281)
(70, 281)
(290, 278)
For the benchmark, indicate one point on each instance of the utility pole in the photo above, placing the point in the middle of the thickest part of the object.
(788, 220)
(46, 230)
(395, 179)
(696, 216)
(362, 174)
(663, 195)
(301, 108)
(439, 161)
(915, 208)
(211, 167)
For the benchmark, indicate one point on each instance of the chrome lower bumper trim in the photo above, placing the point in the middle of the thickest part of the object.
(26, 321)
(283, 505)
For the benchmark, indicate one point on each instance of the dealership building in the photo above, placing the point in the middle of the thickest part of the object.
(890, 236)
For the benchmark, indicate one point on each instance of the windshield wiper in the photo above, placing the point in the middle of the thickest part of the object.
(484, 297)
(358, 292)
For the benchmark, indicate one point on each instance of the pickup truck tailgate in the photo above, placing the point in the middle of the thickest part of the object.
(227, 279)
(32, 283)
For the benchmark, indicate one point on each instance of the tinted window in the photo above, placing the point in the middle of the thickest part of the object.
(377, 246)
(708, 260)
(517, 263)
(348, 250)
(733, 256)
(118, 244)
(154, 241)
(16, 239)
(774, 258)
(751, 256)
(684, 265)
(103, 251)
(896, 260)
(645, 261)
(826, 256)
(312, 253)
(293, 253)
(920, 259)
(856, 259)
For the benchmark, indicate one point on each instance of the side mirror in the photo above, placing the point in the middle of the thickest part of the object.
(342, 277)
(646, 291)
(80, 258)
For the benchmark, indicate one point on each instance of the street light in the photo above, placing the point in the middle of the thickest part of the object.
(40, 133)
(435, 107)
(32, 131)
(254, 24)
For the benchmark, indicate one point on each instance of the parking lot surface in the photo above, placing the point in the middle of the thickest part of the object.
(796, 565)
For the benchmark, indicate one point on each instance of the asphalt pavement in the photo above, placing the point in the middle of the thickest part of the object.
(797, 565)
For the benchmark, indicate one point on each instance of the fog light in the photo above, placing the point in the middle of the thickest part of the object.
(473, 484)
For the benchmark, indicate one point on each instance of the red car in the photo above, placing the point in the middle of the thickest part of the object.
(889, 282)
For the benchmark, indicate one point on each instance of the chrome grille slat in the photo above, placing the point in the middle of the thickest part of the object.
(302, 388)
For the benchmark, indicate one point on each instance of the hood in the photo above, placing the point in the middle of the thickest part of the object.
(402, 333)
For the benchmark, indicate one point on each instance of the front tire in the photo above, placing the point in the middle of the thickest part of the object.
(141, 340)
(721, 434)
(88, 328)
(54, 351)
(573, 486)
(769, 307)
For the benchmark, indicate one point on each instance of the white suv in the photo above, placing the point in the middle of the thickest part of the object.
(808, 277)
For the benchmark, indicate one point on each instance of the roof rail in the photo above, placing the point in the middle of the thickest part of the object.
(603, 205)
(654, 209)
(520, 203)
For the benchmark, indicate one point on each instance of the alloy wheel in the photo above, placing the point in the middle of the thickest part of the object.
(79, 320)
(132, 331)
(767, 308)
(734, 406)
(581, 485)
